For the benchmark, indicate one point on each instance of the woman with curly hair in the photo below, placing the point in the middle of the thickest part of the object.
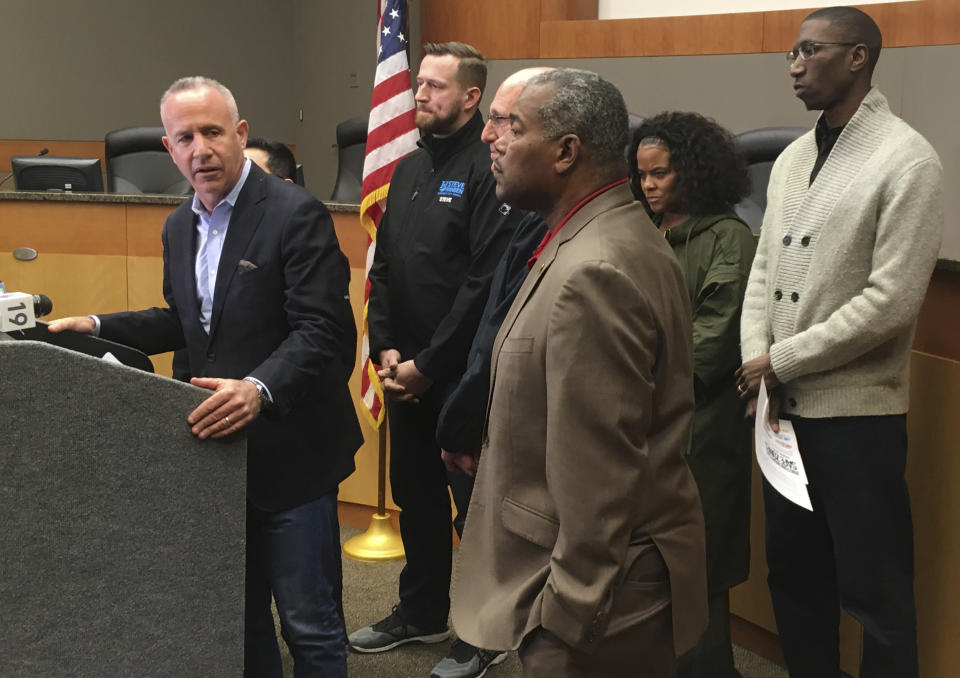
(688, 172)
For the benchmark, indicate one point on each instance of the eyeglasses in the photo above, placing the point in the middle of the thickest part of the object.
(808, 49)
(499, 122)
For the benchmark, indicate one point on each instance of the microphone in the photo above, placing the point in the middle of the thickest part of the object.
(19, 311)
(42, 305)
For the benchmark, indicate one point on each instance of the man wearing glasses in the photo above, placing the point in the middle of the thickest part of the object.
(849, 240)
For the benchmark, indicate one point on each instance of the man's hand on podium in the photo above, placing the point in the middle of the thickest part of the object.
(83, 324)
(233, 405)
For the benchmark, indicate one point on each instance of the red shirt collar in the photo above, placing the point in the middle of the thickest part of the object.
(576, 208)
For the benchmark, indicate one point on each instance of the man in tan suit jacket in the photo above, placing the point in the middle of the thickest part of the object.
(584, 540)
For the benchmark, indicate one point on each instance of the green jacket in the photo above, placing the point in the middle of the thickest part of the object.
(715, 253)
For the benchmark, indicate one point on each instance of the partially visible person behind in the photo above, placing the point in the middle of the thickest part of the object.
(849, 240)
(460, 425)
(688, 172)
(273, 157)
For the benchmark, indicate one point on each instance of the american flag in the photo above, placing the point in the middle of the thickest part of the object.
(391, 134)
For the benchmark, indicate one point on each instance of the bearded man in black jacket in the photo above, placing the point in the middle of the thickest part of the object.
(438, 243)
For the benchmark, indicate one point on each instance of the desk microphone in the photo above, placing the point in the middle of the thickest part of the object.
(42, 305)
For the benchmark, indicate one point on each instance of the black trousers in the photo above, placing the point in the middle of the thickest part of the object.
(419, 480)
(854, 550)
(712, 656)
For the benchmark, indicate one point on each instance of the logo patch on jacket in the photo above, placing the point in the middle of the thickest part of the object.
(450, 190)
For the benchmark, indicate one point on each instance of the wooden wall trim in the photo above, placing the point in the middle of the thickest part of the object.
(661, 36)
(562, 10)
(501, 29)
(564, 29)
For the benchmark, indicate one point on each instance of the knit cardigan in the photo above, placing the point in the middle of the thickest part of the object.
(843, 264)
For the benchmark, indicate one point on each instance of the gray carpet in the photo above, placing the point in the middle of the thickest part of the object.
(369, 593)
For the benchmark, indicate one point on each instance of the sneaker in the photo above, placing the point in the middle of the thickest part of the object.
(466, 661)
(388, 633)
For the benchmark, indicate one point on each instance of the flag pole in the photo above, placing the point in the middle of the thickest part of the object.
(380, 542)
(391, 134)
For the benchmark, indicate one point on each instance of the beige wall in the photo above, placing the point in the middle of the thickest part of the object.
(75, 70)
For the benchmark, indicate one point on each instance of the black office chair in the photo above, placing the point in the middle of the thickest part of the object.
(761, 147)
(351, 151)
(634, 121)
(137, 162)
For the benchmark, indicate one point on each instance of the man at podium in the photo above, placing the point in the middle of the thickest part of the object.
(256, 291)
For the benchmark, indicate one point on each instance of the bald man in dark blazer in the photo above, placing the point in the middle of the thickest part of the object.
(256, 292)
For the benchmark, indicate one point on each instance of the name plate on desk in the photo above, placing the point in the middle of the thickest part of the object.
(16, 312)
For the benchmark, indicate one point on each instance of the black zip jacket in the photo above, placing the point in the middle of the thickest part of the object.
(438, 243)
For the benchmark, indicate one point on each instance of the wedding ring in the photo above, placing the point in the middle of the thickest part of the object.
(741, 388)
(227, 420)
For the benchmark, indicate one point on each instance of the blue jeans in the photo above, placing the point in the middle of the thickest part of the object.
(295, 556)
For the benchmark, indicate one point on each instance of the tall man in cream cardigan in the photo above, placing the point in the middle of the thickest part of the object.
(849, 240)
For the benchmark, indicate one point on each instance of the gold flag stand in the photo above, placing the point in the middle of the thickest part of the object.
(380, 542)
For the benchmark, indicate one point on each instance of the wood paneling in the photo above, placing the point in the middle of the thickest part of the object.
(555, 29)
(77, 284)
(903, 24)
(501, 29)
(62, 227)
(144, 225)
(352, 237)
(562, 10)
(938, 327)
(708, 34)
(933, 476)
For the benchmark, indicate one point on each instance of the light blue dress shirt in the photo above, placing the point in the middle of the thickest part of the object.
(211, 232)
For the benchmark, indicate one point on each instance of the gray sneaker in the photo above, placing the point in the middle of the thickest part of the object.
(388, 633)
(466, 661)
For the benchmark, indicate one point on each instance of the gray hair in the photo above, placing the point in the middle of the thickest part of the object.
(199, 82)
(585, 104)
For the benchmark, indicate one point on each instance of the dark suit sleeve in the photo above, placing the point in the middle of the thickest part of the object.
(488, 233)
(322, 338)
(153, 330)
(460, 425)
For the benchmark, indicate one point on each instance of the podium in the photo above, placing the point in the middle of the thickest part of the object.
(122, 540)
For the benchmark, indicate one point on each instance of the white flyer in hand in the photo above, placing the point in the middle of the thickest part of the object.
(778, 455)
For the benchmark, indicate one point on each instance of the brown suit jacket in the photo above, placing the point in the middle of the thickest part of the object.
(582, 468)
